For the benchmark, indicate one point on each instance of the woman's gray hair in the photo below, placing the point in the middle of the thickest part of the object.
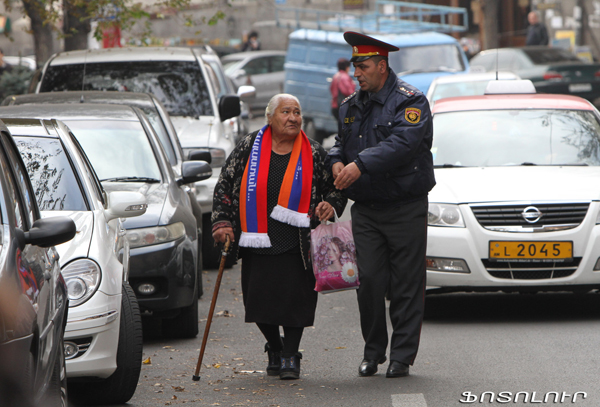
(276, 101)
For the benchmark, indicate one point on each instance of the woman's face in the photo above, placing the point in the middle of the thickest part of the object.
(287, 119)
(333, 252)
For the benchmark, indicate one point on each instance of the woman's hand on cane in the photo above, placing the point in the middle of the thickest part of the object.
(220, 235)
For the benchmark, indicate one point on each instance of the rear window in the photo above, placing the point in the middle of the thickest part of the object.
(54, 182)
(179, 85)
(549, 55)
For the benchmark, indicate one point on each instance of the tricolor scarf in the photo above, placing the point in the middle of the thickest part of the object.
(294, 195)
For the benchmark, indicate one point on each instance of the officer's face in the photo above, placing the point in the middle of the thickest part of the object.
(287, 119)
(370, 75)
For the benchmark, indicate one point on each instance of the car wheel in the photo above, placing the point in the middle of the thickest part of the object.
(57, 388)
(184, 325)
(313, 133)
(211, 254)
(121, 385)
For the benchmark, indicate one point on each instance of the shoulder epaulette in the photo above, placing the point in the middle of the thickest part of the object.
(348, 98)
(405, 91)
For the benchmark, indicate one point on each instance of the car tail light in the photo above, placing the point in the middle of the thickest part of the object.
(597, 74)
(552, 75)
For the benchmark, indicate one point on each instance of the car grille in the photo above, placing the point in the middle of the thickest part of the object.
(505, 216)
(535, 270)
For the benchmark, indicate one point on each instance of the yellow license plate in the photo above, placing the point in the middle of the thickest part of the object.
(531, 250)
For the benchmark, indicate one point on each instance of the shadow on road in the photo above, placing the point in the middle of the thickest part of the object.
(500, 307)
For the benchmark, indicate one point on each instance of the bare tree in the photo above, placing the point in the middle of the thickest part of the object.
(490, 10)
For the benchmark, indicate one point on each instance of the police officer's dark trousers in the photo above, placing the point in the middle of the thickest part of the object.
(390, 247)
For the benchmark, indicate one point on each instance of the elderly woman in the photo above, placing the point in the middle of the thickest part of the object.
(273, 188)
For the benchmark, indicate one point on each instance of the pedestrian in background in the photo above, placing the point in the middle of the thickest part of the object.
(259, 201)
(382, 160)
(536, 32)
(341, 86)
(253, 44)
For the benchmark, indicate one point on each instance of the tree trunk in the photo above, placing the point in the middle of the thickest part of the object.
(76, 26)
(491, 11)
(42, 33)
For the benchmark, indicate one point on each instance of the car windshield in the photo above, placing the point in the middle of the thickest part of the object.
(116, 148)
(446, 90)
(179, 85)
(52, 177)
(549, 55)
(430, 58)
(516, 137)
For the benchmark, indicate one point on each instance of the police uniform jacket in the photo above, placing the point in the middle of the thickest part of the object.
(389, 138)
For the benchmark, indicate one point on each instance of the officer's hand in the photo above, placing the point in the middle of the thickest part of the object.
(220, 235)
(337, 167)
(324, 211)
(347, 176)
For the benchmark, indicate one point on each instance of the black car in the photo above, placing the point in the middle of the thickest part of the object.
(552, 70)
(127, 156)
(33, 294)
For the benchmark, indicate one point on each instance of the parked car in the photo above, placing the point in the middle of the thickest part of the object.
(127, 156)
(312, 59)
(161, 123)
(179, 79)
(28, 62)
(468, 84)
(33, 294)
(261, 69)
(515, 207)
(103, 337)
(552, 70)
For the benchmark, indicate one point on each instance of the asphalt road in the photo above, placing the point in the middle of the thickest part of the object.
(470, 343)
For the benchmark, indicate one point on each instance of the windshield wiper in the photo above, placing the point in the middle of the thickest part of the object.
(448, 166)
(132, 179)
(528, 163)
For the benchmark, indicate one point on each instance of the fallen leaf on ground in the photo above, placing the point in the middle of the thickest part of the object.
(340, 347)
(147, 361)
(178, 388)
(224, 313)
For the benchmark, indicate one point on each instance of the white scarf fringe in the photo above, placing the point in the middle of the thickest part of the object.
(285, 215)
(256, 240)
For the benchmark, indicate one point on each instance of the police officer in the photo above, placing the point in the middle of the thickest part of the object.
(382, 160)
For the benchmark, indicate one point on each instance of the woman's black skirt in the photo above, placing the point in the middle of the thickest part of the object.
(278, 289)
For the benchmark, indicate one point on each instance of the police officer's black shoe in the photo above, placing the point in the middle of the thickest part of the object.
(368, 367)
(397, 369)
(290, 367)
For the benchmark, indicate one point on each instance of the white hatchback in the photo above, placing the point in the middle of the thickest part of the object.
(516, 207)
(103, 337)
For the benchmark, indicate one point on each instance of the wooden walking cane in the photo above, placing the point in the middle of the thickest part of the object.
(196, 376)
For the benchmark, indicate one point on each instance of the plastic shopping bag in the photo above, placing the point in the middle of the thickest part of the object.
(334, 257)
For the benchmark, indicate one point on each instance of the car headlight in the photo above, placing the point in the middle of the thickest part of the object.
(444, 215)
(83, 279)
(155, 235)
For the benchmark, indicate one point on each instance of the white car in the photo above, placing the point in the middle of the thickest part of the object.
(103, 336)
(180, 79)
(468, 84)
(516, 207)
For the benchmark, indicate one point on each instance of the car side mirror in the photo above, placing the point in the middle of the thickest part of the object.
(194, 171)
(246, 92)
(48, 232)
(199, 155)
(229, 106)
(125, 204)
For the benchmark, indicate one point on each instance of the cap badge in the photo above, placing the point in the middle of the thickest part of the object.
(355, 50)
(412, 115)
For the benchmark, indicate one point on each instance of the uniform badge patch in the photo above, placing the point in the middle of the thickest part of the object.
(412, 115)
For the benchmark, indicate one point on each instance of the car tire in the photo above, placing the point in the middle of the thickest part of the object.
(185, 324)
(312, 132)
(211, 254)
(56, 394)
(119, 387)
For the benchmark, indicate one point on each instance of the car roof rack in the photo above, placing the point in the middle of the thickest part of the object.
(500, 87)
(389, 17)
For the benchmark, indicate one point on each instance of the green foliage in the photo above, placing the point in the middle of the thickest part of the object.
(15, 82)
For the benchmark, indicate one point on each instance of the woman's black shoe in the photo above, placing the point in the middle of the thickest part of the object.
(274, 361)
(290, 367)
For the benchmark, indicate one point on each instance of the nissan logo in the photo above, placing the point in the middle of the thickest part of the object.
(531, 214)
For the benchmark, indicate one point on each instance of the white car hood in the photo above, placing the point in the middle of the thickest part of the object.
(194, 132)
(518, 183)
(79, 246)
